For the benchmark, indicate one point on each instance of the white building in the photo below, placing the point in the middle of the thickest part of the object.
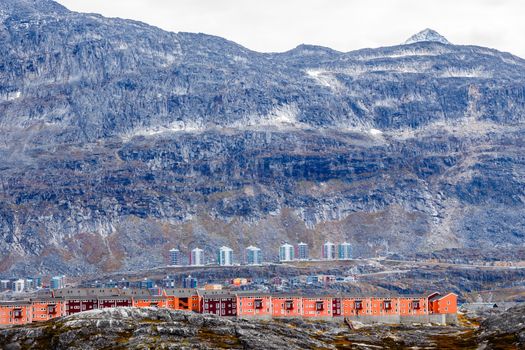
(197, 257)
(175, 257)
(5, 284)
(225, 256)
(19, 286)
(302, 251)
(329, 251)
(344, 251)
(253, 256)
(286, 252)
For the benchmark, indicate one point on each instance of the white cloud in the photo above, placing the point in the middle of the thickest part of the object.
(345, 25)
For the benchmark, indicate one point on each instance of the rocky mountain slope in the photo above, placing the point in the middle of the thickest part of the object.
(120, 141)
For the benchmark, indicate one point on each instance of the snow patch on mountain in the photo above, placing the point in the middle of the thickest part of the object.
(281, 117)
(325, 78)
(427, 35)
(177, 126)
(466, 73)
(14, 96)
(395, 67)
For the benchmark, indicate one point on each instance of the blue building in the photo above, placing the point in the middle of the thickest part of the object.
(302, 251)
(175, 258)
(344, 251)
(57, 282)
(190, 282)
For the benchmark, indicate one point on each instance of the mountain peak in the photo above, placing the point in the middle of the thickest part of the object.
(427, 35)
(31, 6)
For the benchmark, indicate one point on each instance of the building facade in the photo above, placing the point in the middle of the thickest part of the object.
(225, 256)
(197, 257)
(57, 282)
(319, 307)
(253, 256)
(219, 304)
(434, 308)
(44, 309)
(446, 304)
(78, 304)
(344, 251)
(175, 257)
(19, 286)
(328, 251)
(287, 306)
(302, 251)
(15, 312)
(190, 282)
(286, 252)
(254, 305)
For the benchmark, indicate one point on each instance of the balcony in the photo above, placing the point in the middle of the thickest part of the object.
(288, 305)
(258, 304)
(51, 309)
(17, 313)
(319, 306)
(358, 305)
(184, 303)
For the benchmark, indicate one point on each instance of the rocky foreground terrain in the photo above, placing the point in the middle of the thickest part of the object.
(131, 328)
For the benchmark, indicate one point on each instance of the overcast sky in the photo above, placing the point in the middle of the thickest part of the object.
(345, 25)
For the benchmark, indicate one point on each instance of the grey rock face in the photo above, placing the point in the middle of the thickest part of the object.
(120, 140)
(504, 329)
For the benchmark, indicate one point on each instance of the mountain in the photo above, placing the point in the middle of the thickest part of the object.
(427, 35)
(120, 141)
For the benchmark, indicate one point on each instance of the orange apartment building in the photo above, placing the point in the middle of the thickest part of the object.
(150, 301)
(44, 309)
(15, 312)
(384, 306)
(355, 306)
(317, 307)
(413, 306)
(435, 307)
(446, 304)
(183, 299)
(254, 305)
(287, 306)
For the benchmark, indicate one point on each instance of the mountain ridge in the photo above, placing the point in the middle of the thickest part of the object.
(122, 140)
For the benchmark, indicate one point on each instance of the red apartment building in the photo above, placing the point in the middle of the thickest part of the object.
(76, 304)
(219, 304)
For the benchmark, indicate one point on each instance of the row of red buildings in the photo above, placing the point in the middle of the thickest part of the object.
(69, 301)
